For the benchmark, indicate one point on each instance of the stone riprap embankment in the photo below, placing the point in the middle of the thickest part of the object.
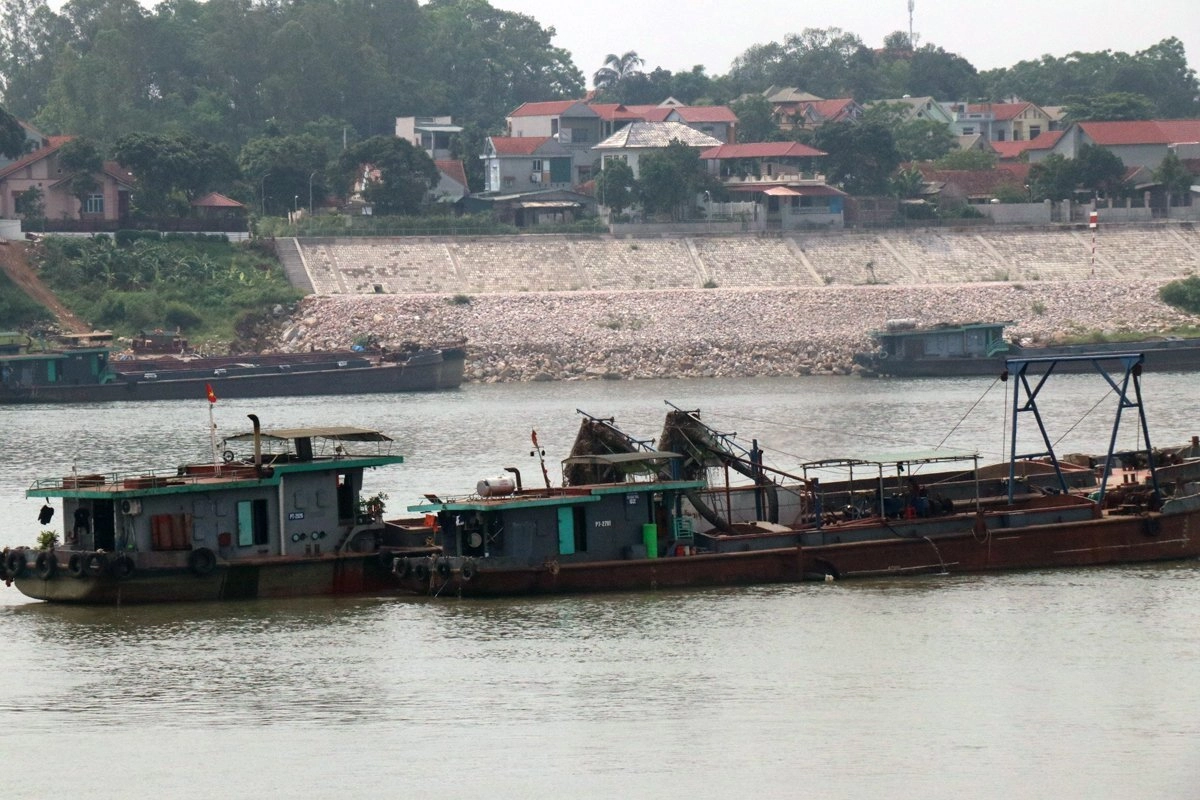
(715, 332)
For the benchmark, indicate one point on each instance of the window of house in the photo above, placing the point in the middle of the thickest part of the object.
(968, 130)
(579, 135)
(537, 165)
(1000, 136)
(94, 204)
(553, 127)
(252, 525)
(508, 180)
(1035, 131)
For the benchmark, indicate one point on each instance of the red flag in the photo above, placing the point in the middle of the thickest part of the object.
(212, 396)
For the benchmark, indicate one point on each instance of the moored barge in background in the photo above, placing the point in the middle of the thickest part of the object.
(907, 350)
(87, 373)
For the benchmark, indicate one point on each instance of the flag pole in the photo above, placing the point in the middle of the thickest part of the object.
(212, 428)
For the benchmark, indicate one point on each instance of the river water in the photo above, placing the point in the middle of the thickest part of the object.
(1050, 684)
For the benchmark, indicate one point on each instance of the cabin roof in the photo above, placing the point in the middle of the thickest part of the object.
(571, 496)
(329, 432)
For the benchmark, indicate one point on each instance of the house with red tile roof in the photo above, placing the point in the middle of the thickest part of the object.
(762, 159)
(526, 163)
(41, 169)
(974, 186)
(579, 125)
(1000, 122)
(1027, 149)
(1138, 143)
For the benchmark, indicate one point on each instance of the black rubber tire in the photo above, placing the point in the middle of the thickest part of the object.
(45, 566)
(202, 561)
(77, 565)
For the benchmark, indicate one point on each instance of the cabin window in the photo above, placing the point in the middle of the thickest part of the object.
(252, 523)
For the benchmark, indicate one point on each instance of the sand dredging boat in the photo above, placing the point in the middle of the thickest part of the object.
(630, 517)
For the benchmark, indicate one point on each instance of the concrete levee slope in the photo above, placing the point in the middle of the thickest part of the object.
(580, 307)
(534, 263)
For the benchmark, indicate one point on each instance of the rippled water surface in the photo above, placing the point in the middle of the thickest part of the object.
(1068, 684)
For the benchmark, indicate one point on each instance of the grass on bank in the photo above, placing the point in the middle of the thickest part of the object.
(210, 289)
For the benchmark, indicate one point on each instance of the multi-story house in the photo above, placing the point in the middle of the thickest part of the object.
(637, 139)
(526, 163)
(999, 122)
(578, 126)
(431, 134)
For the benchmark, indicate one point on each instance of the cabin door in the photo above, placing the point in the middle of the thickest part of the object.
(566, 531)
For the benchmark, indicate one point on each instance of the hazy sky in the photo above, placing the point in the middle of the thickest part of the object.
(677, 34)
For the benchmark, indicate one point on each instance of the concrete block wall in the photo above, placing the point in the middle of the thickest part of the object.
(555, 263)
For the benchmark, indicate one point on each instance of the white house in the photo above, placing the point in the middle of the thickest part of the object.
(637, 139)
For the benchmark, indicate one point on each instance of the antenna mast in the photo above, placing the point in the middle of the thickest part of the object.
(911, 44)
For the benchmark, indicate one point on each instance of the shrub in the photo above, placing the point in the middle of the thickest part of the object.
(1183, 294)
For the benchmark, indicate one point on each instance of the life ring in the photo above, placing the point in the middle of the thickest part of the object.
(468, 570)
(122, 568)
(15, 564)
(96, 564)
(45, 565)
(202, 561)
(402, 567)
(77, 565)
(421, 571)
(228, 456)
(883, 354)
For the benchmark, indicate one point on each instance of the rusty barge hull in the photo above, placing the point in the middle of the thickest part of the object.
(1104, 541)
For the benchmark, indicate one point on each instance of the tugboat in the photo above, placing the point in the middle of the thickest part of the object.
(630, 517)
(285, 519)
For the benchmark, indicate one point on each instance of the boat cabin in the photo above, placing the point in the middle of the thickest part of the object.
(297, 493)
(594, 522)
(904, 340)
(81, 366)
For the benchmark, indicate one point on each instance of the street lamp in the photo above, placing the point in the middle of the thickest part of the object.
(262, 192)
(310, 180)
(296, 203)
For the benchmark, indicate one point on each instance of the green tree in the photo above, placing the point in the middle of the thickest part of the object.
(1174, 177)
(1053, 178)
(933, 72)
(82, 160)
(1112, 106)
(756, 122)
(406, 174)
(280, 168)
(967, 159)
(31, 205)
(1099, 170)
(922, 140)
(671, 179)
(615, 186)
(617, 68)
(12, 136)
(170, 171)
(862, 156)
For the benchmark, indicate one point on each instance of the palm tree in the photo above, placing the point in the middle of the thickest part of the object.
(617, 68)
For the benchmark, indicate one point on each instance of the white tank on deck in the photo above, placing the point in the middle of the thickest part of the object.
(495, 487)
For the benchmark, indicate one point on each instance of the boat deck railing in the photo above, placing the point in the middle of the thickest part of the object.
(190, 474)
